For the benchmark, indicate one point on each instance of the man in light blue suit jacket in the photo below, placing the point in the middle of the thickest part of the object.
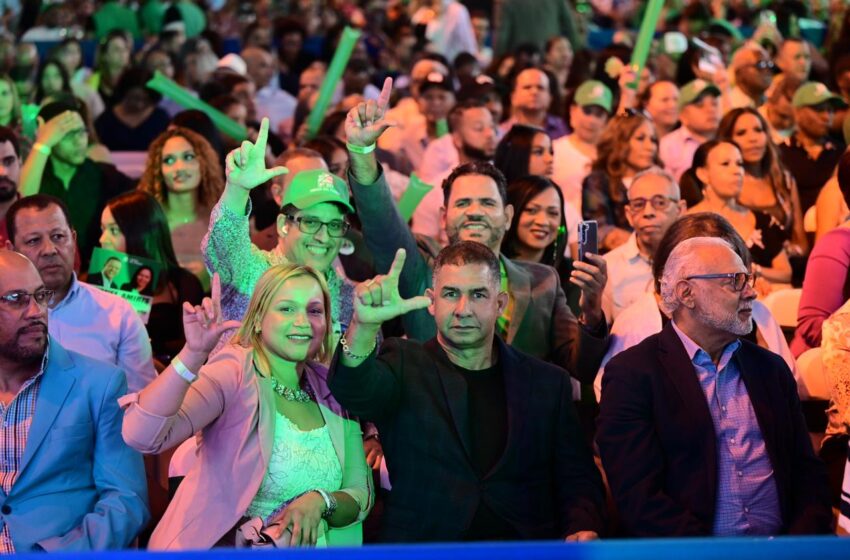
(67, 480)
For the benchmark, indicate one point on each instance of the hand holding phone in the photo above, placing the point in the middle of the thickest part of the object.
(588, 239)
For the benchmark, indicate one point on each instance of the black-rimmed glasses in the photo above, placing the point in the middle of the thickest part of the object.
(311, 225)
(739, 279)
(21, 299)
(658, 202)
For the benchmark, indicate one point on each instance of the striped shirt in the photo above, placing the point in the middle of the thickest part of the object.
(16, 419)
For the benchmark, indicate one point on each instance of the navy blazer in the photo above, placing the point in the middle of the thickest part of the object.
(79, 486)
(658, 446)
(545, 485)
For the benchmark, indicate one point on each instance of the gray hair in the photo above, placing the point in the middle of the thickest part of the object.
(680, 264)
(656, 171)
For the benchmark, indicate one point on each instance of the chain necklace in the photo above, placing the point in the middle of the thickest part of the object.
(292, 395)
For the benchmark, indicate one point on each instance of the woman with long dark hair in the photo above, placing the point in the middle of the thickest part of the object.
(134, 223)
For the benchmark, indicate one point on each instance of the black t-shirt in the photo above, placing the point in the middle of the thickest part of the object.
(488, 422)
(811, 175)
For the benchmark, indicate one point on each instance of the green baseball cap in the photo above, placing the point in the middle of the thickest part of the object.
(815, 93)
(695, 89)
(593, 92)
(315, 186)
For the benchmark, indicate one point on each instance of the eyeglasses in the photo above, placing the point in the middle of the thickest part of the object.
(763, 65)
(739, 279)
(21, 299)
(658, 202)
(308, 224)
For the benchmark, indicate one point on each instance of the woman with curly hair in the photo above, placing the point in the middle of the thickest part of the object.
(768, 187)
(629, 144)
(184, 174)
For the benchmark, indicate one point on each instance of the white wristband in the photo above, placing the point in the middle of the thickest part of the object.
(183, 371)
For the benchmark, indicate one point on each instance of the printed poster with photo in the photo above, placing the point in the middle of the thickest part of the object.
(131, 278)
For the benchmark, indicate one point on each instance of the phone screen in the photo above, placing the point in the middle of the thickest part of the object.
(588, 233)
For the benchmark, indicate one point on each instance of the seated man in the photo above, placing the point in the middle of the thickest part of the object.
(83, 318)
(456, 413)
(69, 482)
(537, 319)
(699, 113)
(700, 432)
(654, 203)
(10, 172)
(58, 165)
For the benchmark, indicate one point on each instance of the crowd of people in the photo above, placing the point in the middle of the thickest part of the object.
(383, 322)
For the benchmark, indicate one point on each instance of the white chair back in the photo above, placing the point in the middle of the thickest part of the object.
(783, 305)
(811, 381)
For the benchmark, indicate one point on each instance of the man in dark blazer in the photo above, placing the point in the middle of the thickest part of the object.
(476, 448)
(538, 321)
(701, 432)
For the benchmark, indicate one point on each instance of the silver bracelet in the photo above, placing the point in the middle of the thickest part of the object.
(330, 503)
(346, 349)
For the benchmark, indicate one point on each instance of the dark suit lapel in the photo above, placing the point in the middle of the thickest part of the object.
(55, 385)
(678, 368)
(519, 284)
(517, 396)
(455, 391)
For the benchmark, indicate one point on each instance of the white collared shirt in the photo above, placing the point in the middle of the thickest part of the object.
(276, 104)
(105, 327)
(629, 277)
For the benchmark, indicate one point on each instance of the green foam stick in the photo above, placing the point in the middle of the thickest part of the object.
(644, 39)
(179, 95)
(29, 123)
(412, 196)
(347, 41)
(442, 127)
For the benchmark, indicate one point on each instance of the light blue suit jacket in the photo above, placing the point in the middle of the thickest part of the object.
(79, 486)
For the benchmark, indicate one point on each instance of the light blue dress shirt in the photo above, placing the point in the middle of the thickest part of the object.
(747, 498)
(105, 327)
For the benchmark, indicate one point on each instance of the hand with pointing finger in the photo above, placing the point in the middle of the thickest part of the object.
(365, 122)
(377, 300)
(245, 166)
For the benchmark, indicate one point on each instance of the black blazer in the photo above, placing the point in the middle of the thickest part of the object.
(657, 441)
(545, 485)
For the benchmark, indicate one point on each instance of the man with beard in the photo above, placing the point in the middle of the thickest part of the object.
(69, 482)
(473, 138)
(10, 172)
(536, 320)
(701, 432)
(83, 318)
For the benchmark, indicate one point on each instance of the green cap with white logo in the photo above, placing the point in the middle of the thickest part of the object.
(593, 92)
(695, 89)
(315, 186)
(815, 93)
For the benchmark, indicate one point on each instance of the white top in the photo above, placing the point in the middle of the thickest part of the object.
(276, 104)
(451, 32)
(677, 150)
(300, 462)
(642, 319)
(629, 277)
(569, 170)
(105, 327)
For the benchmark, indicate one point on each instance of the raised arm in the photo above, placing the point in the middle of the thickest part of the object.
(49, 134)
(361, 383)
(157, 418)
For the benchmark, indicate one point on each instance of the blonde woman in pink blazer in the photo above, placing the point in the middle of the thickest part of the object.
(275, 448)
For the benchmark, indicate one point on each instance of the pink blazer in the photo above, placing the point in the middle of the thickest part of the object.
(233, 409)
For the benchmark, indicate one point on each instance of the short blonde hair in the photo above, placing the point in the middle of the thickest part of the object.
(267, 286)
